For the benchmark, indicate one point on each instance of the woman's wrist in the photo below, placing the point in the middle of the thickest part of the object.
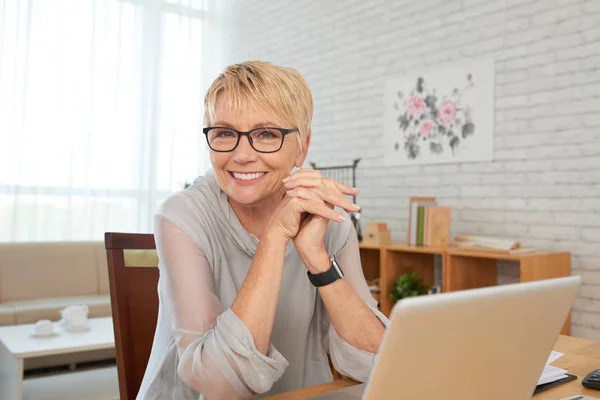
(273, 237)
(316, 262)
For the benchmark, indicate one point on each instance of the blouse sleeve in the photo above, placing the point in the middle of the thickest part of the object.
(347, 359)
(217, 355)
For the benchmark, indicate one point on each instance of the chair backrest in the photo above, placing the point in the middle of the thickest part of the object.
(133, 278)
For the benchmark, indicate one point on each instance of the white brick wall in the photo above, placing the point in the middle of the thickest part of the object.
(543, 186)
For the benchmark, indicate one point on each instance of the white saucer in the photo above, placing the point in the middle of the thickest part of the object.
(44, 335)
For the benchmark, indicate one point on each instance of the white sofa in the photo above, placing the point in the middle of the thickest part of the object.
(39, 279)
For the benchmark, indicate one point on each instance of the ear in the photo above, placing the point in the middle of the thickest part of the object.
(299, 161)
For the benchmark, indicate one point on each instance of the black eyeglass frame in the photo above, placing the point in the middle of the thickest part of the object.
(283, 132)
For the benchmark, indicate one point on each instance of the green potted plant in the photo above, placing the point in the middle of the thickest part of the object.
(186, 185)
(408, 285)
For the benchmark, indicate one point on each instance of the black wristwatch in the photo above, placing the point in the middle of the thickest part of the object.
(325, 278)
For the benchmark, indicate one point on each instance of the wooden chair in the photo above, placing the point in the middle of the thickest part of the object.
(133, 278)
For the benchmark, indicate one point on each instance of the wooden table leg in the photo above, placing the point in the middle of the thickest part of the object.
(11, 375)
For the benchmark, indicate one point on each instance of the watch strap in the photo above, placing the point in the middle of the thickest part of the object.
(325, 278)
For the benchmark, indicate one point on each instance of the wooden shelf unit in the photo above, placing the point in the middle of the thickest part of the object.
(461, 268)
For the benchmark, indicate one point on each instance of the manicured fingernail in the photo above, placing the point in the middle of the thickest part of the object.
(356, 207)
(341, 218)
(286, 179)
(356, 189)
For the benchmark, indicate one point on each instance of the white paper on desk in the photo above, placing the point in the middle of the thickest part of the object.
(551, 373)
(554, 355)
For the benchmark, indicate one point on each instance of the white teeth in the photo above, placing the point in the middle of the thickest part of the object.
(247, 177)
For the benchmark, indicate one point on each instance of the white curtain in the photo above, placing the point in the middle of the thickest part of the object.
(100, 112)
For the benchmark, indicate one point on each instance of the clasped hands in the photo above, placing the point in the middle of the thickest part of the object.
(306, 210)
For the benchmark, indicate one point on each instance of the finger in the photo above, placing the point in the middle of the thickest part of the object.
(334, 197)
(317, 207)
(311, 181)
(314, 205)
(304, 172)
(307, 194)
(304, 193)
(347, 189)
(306, 181)
(330, 196)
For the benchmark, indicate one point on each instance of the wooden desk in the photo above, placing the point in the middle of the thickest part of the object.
(314, 390)
(581, 357)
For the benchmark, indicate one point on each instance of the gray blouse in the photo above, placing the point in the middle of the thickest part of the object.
(201, 349)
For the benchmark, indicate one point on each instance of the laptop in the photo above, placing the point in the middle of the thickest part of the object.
(490, 343)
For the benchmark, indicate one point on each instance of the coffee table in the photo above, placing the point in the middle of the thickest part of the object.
(18, 343)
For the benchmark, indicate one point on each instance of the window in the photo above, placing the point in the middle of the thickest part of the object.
(100, 114)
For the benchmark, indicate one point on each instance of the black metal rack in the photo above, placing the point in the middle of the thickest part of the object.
(345, 174)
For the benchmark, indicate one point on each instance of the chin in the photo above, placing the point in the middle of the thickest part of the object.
(245, 197)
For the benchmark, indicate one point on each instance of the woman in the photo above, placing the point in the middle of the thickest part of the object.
(250, 299)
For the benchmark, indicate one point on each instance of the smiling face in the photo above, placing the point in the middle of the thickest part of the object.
(245, 175)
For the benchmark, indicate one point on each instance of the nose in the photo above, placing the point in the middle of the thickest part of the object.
(244, 152)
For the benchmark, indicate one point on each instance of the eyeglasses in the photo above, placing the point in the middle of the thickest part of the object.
(263, 140)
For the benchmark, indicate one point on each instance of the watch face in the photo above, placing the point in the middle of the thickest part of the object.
(335, 265)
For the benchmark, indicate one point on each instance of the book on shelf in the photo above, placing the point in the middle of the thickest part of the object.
(490, 243)
(427, 228)
(429, 223)
(414, 204)
(420, 224)
(521, 250)
(437, 226)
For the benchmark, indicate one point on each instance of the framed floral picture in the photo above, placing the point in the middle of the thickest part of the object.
(443, 116)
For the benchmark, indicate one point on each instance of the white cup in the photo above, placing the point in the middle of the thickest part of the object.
(44, 327)
(75, 316)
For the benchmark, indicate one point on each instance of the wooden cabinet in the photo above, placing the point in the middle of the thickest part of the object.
(461, 268)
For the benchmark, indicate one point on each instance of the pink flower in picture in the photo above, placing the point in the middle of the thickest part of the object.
(416, 106)
(426, 127)
(446, 113)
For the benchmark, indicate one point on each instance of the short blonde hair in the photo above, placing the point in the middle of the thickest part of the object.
(280, 90)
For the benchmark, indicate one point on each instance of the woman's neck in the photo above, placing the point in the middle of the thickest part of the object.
(254, 218)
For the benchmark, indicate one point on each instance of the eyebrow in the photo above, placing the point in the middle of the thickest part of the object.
(257, 125)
